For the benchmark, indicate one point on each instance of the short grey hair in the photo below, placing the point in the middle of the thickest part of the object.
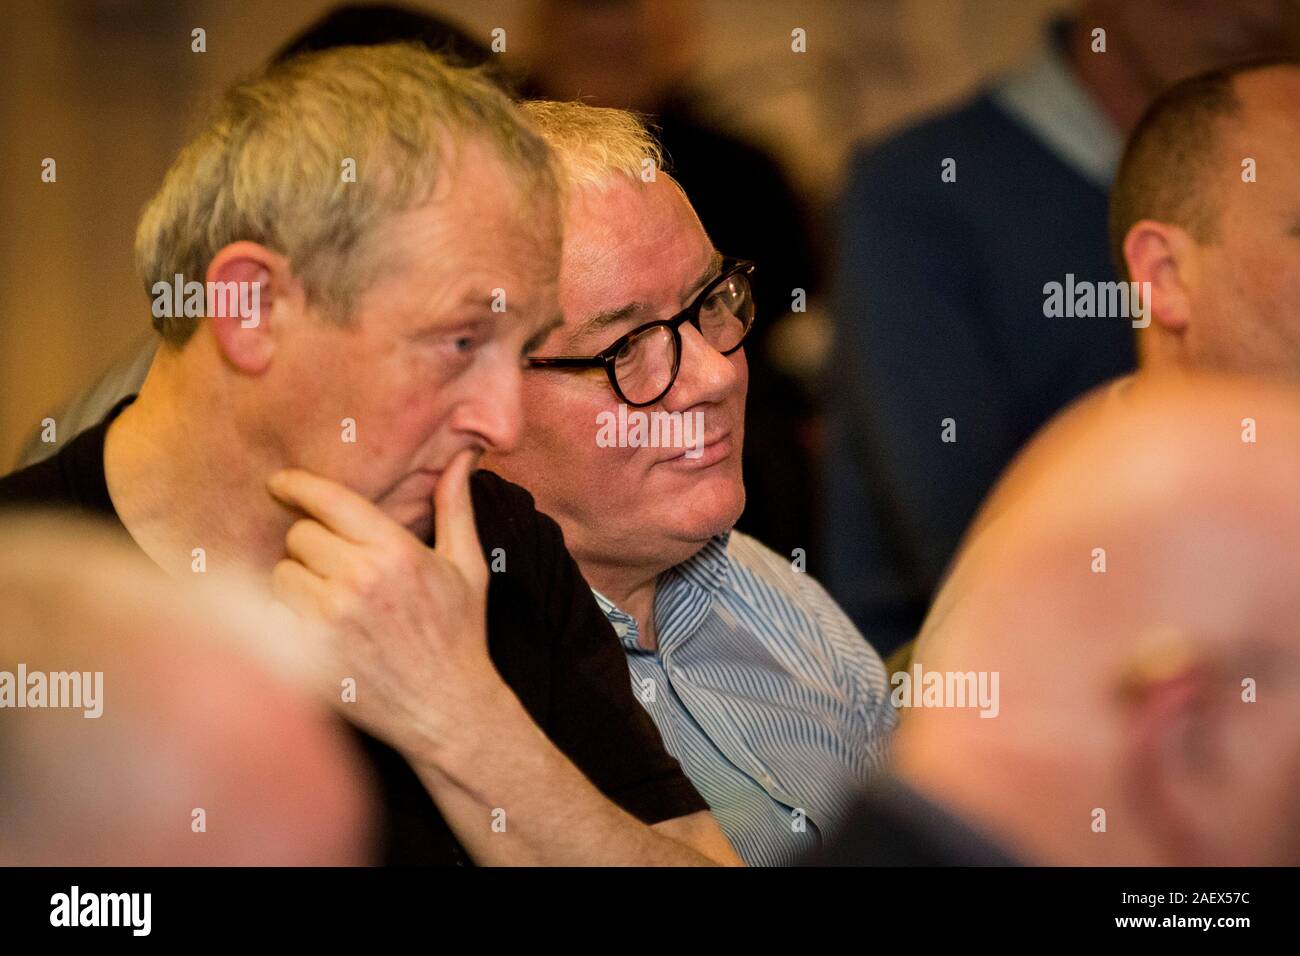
(594, 145)
(269, 166)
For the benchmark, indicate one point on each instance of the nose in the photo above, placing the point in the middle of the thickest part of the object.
(706, 375)
(492, 411)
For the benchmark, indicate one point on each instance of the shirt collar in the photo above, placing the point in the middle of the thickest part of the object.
(703, 573)
(706, 568)
(1047, 97)
(624, 624)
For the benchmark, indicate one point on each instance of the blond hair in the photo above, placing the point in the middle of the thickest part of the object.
(594, 145)
(271, 166)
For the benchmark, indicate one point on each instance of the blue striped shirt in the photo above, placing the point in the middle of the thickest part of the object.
(774, 704)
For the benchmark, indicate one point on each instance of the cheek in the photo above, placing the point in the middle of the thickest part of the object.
(552, 459)
(555, 419)
(1268, 282)
(340, 378)
(561, 456)
(400, 425)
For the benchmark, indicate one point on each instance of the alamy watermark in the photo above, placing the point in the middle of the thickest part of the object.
(633, 428)
(73, 690)
(133, 911)
(196, 300)
(1099, 300)
(922, 688)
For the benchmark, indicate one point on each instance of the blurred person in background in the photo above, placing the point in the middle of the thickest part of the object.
(1131, 585)
(175, 765)
(945, 361)
(1206, 214)
(372, 24)
(771, 700)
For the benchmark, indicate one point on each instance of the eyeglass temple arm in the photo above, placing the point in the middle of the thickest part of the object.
(566, 361)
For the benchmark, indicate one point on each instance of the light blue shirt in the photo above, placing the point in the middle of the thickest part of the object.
(774, 704)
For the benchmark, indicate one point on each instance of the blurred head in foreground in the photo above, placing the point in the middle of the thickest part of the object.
(152, 730)
(1132, 581)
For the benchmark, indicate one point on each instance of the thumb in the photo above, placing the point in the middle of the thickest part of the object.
(456, 537)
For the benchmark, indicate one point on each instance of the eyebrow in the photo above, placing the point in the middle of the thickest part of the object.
(603, 320)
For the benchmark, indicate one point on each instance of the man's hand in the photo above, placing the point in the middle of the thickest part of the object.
(407, 622)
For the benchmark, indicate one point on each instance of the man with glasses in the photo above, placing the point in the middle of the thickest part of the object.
(643, 364)
(774, 704)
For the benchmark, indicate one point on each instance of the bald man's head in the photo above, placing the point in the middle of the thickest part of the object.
(1132, 581)
(1206, 208)
(152, 731)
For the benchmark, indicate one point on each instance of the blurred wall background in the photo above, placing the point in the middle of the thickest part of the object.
(110, 89)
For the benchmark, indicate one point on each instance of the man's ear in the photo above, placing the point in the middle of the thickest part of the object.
(251, 295)
(1163, 256)
(1175, 764)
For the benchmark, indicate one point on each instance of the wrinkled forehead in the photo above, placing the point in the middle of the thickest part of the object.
(484, 213)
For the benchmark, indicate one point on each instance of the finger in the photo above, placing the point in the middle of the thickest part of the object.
(296, 587)
(456, 537)
(339, 509)
(320, 550)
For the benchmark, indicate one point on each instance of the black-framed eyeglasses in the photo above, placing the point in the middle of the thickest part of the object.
(643, 364)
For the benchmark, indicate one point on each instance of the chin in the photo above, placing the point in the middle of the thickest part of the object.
(714, 509)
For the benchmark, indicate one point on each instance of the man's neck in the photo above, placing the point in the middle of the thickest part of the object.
(633, 591)
(632, 587)
(182, 477)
